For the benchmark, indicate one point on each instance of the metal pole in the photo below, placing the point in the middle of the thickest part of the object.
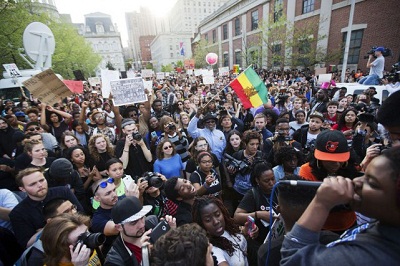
(347, 47)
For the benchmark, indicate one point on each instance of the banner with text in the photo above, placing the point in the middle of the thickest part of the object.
(128, 91)
(147, 73)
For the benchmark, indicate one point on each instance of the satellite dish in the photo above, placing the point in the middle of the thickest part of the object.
(39, 44)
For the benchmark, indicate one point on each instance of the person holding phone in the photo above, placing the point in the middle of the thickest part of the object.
(229, 243)
(205, 178)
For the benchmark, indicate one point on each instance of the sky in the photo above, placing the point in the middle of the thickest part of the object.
(115, 8)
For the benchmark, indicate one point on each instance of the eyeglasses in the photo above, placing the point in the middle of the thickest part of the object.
(70, 209)
(104, 184)
(33, 129)
(167, 147)
(98, 117)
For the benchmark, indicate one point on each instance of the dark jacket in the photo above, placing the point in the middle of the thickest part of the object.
(120, 255)
(7, 144)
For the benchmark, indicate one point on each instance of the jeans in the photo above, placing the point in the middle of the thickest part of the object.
(372, 79)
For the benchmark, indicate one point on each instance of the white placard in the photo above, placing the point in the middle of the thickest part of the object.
(12, 70)
(93, 81)
(147, 73)
(148, 84)
(160, 75)
(208, 80)
(207, 72)
(130, 74)
(223, 71)
(128, 91)
(189, 72)
(106, 77)
(324, 78)
(198, 72)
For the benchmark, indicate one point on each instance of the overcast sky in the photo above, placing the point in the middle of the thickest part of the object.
(115, 8)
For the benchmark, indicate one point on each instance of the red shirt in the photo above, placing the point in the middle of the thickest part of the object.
(135, 250)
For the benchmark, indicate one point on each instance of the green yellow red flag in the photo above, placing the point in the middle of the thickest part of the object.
(250, 89)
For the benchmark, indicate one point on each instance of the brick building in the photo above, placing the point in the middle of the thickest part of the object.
(234, 31)
(144, 43)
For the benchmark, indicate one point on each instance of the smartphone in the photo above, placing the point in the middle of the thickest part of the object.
(154, 134)
(127, 179)
(160, 229)
(250, 224)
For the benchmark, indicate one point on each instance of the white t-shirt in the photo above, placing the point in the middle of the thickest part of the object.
(238, 258)
(311, 137)
(378, 66)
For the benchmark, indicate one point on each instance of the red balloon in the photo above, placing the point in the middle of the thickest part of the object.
(211, 58)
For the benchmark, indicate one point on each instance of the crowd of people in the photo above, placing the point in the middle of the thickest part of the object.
(84, 182)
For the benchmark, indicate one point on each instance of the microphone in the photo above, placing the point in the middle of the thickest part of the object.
(301, 183)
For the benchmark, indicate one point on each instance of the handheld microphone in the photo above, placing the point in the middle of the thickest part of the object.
(301, 183)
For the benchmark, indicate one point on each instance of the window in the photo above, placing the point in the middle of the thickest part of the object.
(206, 37)
(226, 60)
(225, 32)
(214, 36)
(170, 47)
(276, 58)
(238, 58)
(278, 10)
(237, 27)
(172, 55)
(308, 6)
(254, 20)
(355, 46)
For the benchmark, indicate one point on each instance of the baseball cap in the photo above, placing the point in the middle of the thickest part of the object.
(331, 145)
(379, 49)
(127, 122)
(129, 209)
(317, 115)
(19, 114)
(61, 168)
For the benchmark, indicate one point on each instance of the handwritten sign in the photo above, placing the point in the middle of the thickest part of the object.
(147, 73)
(324, 78)
(47, 87)
(160, 75)
(94, 81)
(75, 86)
(128, 91)
(198, 72)
(223, 71)
(106, 77)
(208, 80)
(207, 72)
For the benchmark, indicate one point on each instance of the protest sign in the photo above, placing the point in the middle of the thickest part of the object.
(147, 73)
(94, 81)
(148, 84)
(128, 91)
(189, 72)
(235, 69)
(223, 71)
(208, 80)
(206, 72)
(106, 77)
(324, 78)
(320, 70)
(47, 87)
(130, 74)
(198, 72)
(75, 86)
(12, 70)
(160, 75)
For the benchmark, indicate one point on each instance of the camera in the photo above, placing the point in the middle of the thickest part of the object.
(136, 136)
(282, 97)
(240, 166)
(368, 113)
(153, 179)
(171, 126)
(91, 240)
(385, 53)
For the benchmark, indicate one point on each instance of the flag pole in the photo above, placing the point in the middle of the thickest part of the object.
(225, 87)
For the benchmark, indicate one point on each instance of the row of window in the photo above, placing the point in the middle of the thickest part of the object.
(237, 60)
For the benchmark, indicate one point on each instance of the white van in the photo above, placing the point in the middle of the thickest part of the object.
(355, 88)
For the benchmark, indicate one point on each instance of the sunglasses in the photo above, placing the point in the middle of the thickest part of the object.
(33, 129)
(210, 122)
(104, 184)
(168, 147)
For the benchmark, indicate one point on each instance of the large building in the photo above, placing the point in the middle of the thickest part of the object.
(234, 31)
(169, 48)
(186, 15)
(105, 39)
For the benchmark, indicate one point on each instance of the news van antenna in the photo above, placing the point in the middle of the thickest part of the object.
(39, 45)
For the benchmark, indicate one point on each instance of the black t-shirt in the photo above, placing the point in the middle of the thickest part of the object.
(100, 218)
(137, 164)
(191, 165)
(49, 161)
(58, 131)
(101, 164)
(200, 177)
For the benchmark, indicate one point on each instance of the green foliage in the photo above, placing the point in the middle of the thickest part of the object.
(110, 66)
(167, 68)
(149, 66)
(72, 51)
(179, 64)
(201, 49)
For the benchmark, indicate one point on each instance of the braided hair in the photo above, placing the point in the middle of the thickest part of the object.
(230, 226)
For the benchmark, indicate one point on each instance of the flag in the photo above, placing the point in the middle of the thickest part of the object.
(181, 49)
(250, 89)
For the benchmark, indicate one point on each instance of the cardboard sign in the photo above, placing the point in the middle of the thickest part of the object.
(160, 75)
(320, 70)
(47, 87)
(147, 73)
(189, 63)
(324, 78)
(94, 81)
(223, 71)
(128, 91)
(106, 77)
(12, 70)
(75, 86)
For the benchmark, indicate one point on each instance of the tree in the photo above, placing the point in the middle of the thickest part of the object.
(292, 46)
(167, 68)
(110, 66)
(149, 65)
(72, 51)
(201, 49)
